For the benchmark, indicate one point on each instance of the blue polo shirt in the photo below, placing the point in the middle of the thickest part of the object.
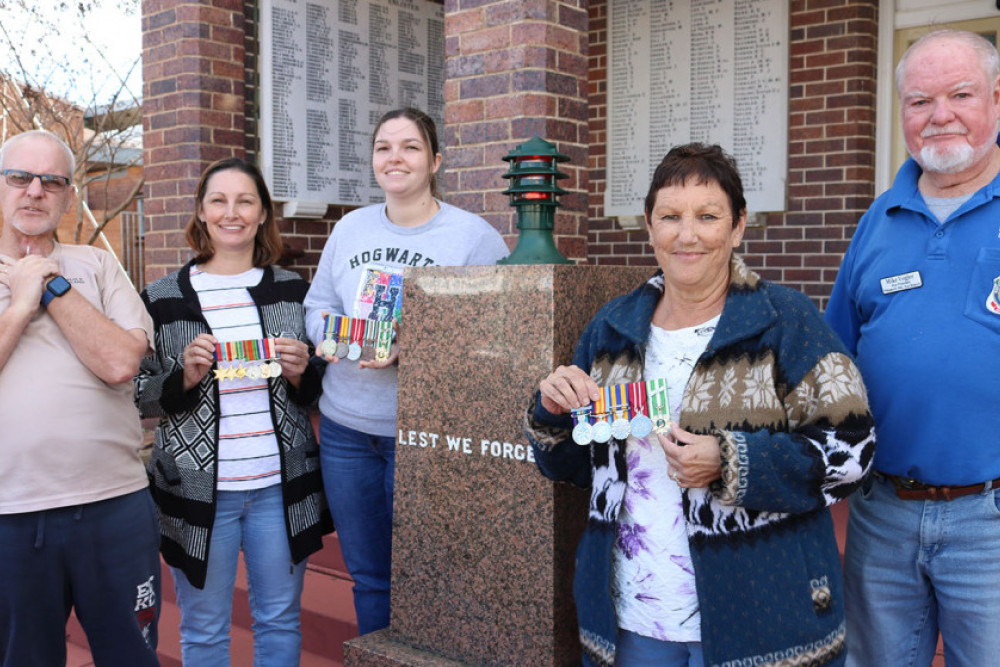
(914, 301)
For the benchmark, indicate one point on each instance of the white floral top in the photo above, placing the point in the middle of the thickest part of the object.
(654, 585)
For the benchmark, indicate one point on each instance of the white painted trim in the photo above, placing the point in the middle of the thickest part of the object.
(940, 11)
(884, 90)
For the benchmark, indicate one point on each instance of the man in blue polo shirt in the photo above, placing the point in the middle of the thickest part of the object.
(917, 301)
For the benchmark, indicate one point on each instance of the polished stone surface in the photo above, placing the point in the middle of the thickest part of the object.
(483, 545)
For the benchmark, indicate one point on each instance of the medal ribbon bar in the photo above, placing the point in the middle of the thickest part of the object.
(256, 349)
(635, 407)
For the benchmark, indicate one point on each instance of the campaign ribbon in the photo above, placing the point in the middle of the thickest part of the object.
(659, 404)
(618, 406)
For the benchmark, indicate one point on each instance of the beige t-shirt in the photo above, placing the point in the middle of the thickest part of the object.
(67, 437)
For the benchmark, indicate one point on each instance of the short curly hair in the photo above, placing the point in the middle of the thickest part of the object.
(705, 164)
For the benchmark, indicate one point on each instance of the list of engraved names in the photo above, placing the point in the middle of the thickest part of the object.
(714, 71)
(329, 70)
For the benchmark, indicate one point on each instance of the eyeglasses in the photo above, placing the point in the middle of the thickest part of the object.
(22, 179)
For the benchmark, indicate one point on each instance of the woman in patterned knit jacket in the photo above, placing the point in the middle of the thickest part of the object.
(711, 543)
(235, 463)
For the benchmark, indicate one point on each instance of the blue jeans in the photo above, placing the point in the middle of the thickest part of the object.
(358, 477)
(253, 520)
(634, 650)
(915, 567)
(101, 558)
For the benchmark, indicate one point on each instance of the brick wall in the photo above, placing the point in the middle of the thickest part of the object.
(833, 52)
(607, 242)
(193, 112)
(201, 104)
(516, 70)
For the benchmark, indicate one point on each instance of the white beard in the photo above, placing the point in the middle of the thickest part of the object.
(945, 160)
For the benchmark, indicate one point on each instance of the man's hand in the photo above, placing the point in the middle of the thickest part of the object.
(26, 278)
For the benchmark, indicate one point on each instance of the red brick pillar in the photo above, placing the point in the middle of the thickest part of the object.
(193, 112)
(516, 69)
(833, 54)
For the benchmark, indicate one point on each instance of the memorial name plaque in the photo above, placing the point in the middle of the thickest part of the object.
(329, 70)
(714, 71)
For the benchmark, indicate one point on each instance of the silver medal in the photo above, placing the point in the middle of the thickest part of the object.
(583, 433)
(329, 347)
(602, 431)
(641, 426)
(620, 428)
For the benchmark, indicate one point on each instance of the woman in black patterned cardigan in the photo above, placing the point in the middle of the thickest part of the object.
(235, 461)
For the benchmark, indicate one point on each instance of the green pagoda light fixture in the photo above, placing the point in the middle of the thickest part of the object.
(533, 191)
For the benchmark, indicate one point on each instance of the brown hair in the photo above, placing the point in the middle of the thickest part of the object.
(427, 129)
(267, 246)
(705, 164)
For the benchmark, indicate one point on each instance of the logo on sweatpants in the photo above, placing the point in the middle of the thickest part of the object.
(145, 606)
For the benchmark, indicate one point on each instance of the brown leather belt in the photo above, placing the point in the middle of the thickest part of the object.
(909, 489)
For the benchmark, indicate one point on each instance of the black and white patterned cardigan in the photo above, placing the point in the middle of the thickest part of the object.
(183, 465)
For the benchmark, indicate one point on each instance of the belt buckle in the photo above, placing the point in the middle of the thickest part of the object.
(908, 484)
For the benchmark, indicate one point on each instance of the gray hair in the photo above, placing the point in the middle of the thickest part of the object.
(45, 134)
(989, 60)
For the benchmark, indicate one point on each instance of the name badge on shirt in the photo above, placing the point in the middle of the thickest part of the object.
(902, 282)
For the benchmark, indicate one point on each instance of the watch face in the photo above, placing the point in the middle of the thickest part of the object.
(58, 286)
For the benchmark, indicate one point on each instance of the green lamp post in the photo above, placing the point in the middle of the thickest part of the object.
(533, 174)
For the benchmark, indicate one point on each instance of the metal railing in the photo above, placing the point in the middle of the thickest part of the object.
(132, 234)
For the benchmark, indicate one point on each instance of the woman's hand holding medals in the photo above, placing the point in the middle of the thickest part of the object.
(568, 388)
(371, 343)
(266, 358)
(198, 357)
(393, 356)
(695, 460)
(293, 357)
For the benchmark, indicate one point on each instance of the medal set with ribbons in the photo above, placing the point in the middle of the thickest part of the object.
(635, 408)
(260, 356)
(356, 339)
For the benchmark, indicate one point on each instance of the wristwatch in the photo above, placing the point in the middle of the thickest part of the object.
(55, 287)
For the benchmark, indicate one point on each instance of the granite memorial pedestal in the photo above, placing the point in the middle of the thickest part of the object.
(483, 545)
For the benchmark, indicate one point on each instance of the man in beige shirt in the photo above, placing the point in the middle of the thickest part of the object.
(78, 529)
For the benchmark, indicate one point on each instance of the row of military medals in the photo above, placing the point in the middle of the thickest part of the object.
(635, 408)
(354, 338)
(260, 356)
